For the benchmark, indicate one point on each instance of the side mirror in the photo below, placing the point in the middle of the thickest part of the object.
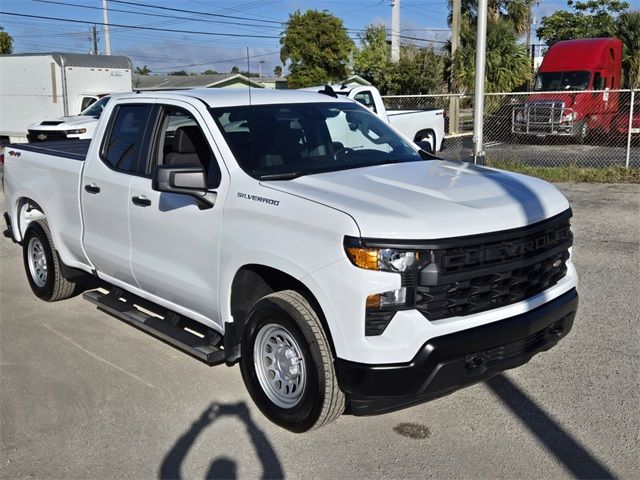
(426, 146)
(188, 179)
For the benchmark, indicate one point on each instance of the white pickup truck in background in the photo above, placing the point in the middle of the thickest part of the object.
(299, 235)
(78, 126)
(415, 125)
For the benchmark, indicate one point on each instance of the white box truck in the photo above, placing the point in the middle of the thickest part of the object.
(37, 86)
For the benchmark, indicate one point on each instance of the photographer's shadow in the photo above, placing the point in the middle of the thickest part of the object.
(222, 467)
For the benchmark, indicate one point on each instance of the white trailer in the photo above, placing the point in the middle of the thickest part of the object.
(36, 86)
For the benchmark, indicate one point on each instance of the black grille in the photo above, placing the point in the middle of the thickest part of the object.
(46, 135)
(376, 321)
(484, 292)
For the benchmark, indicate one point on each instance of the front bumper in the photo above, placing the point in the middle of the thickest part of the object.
(456, 360)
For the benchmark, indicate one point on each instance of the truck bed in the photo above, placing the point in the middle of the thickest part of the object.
(73, 149)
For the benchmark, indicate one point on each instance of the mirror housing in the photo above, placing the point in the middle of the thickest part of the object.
(187, 179)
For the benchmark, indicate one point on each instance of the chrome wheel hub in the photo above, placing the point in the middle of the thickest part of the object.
(37, 262)
(279, 365)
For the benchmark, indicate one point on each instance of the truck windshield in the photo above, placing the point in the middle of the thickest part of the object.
(554, 81)
(95, 110)
(279, 142)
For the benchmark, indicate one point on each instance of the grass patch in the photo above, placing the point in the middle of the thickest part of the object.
(573, 173)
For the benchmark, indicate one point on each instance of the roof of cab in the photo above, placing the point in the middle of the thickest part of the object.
(228, 97)
(580, 54)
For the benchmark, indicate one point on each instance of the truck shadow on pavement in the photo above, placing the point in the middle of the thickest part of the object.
(576, 458)
(222, 467)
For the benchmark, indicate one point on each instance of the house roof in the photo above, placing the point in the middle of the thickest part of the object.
(173, 82)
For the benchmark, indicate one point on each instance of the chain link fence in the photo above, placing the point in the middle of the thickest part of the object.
(546, 129)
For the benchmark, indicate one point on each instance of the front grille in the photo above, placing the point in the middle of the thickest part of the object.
(45, 135)
(489, 274)
(477, 294)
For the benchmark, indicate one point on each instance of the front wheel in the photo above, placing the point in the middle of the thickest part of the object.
(287, 365)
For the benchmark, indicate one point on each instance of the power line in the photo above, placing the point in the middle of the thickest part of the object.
(219, 61)
(173, 17)
(193, 32)
(182, 10)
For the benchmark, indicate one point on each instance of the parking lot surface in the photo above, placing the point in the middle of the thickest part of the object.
(83, 395)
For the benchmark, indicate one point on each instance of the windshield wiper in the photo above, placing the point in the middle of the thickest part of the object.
(283, 176)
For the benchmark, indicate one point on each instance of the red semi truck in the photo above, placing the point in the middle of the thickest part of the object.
(582, 77)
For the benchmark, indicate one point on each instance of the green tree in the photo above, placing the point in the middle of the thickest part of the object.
(317, 46)
(179, 73)
(507, 61)
(143, 71)
(6, 42)
(209, 72)
(588, 19)
(277, 71)
(628, 30)
(235, 69)
(516, 11)
(372, 60)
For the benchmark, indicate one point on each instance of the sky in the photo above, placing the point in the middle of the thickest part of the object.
(225, 28)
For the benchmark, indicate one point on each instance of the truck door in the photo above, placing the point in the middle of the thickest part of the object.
(175, 244)
(105, 190)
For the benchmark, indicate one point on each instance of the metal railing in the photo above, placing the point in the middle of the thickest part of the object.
(587, 128)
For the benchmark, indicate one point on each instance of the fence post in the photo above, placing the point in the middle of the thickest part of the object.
(633, 92)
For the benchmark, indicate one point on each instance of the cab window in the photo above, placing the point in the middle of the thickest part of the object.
(366, 99)
(122, 149)
(181, 141)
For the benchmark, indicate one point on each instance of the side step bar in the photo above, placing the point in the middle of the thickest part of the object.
(183, 333)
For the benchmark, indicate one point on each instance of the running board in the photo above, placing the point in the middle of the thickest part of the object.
(188, 335)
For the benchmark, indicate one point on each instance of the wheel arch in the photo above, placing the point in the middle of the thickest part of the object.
(26, 211)
(253, 281)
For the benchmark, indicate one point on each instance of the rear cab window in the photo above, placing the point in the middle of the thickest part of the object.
(124, 144)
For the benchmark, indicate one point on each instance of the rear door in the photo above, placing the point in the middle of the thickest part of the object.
(175, 244)
(105, 190)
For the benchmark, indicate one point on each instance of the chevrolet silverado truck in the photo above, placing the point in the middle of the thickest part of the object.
(299, 235)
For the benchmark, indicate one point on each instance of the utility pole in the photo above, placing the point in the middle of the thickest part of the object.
(94, 37)
(529, 7)
(478, 109)
(395, 31)
(105, 19)
(454, 102)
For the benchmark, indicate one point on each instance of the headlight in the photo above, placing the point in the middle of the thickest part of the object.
(520, 117)
(76, 132)
(570, 116)
(386, 259)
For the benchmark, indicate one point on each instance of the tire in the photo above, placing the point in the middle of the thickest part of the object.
(310, 397)
(42, 264)
(583, 133)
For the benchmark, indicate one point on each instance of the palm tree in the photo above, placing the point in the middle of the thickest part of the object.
(516, 11)
(507, 60)
(628, 30)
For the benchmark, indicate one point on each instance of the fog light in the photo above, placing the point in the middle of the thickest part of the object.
(393, 298)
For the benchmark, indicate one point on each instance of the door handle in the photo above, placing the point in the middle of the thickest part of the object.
(141, 201)
(92, 188)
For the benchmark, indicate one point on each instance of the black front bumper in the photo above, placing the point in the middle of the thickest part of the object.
(453, 361)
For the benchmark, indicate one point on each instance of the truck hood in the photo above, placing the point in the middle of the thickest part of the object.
(430, 199)
(64, 123)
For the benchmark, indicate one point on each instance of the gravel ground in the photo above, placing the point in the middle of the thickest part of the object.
(83, 395)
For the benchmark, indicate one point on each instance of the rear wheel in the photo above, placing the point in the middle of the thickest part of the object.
(287, 365)
(42, 264)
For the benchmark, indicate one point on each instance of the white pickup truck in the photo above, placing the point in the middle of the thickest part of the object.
(78, 126)
(297, 234)
(416, 125)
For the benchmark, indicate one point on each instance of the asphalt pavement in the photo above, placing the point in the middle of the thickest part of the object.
(83, 395)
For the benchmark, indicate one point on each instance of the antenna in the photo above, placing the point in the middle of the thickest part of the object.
(249, 75)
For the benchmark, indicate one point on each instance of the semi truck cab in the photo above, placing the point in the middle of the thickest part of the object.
(575, 90)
